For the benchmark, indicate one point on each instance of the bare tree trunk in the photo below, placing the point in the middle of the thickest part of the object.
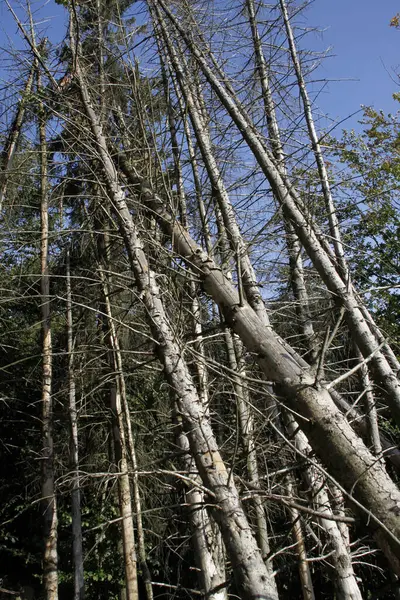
(124, 492)
(77, 550)
(146, 575)
(202, 136)
(49, 502)
(329, 433)
(13, 136)
(370, 406)
(117, 365)
(215, 177)
(311, 238)
(235, 349)
(208, 546)
(250, 572)
(343, 577)
(297, 278)
(312, 133)
(206, 540)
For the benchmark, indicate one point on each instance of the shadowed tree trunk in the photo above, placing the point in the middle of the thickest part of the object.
(77, 550)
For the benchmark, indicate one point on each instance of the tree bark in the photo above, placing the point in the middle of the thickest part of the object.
(328, 431)
(307, 587)
(209, 554)
(49, 501)
(344, 578)
(120, 447)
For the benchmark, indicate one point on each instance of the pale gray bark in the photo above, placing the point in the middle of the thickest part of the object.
(206, 538)
(49, 500)
(203, 138)
(344, 577)
(328, 431)
(314, 139)
(309, 236)
(209, 554)
(234, 348)
(370, 406)
(124, 494)
(250, 572)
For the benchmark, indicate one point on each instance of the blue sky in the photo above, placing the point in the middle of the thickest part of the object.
(365, 50)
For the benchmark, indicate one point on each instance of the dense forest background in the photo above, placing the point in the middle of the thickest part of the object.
(199, 313)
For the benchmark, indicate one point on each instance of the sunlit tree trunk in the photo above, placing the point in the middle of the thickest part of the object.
(328, 431)
(343, 576)
(359, 322)
(250, 571)
(205, 537)
(12, 138)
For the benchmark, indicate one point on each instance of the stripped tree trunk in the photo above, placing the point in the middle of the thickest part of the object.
(235, 351)
(343, 574)
(202, 136)
(329, 433)
(77, 550)
(344, 577)
(49, 502)
(370, 406)
(250, 572)
(312, 133)
(206, 536)
(314, 243)
(206, 540)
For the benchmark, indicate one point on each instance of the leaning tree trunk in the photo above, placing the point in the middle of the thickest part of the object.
(202, 136)
(327, 429)
(235, 350)
(206, 542)
(343, 575)
(49, 502)
(310, 237)
(251, 575)
(307, 587)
